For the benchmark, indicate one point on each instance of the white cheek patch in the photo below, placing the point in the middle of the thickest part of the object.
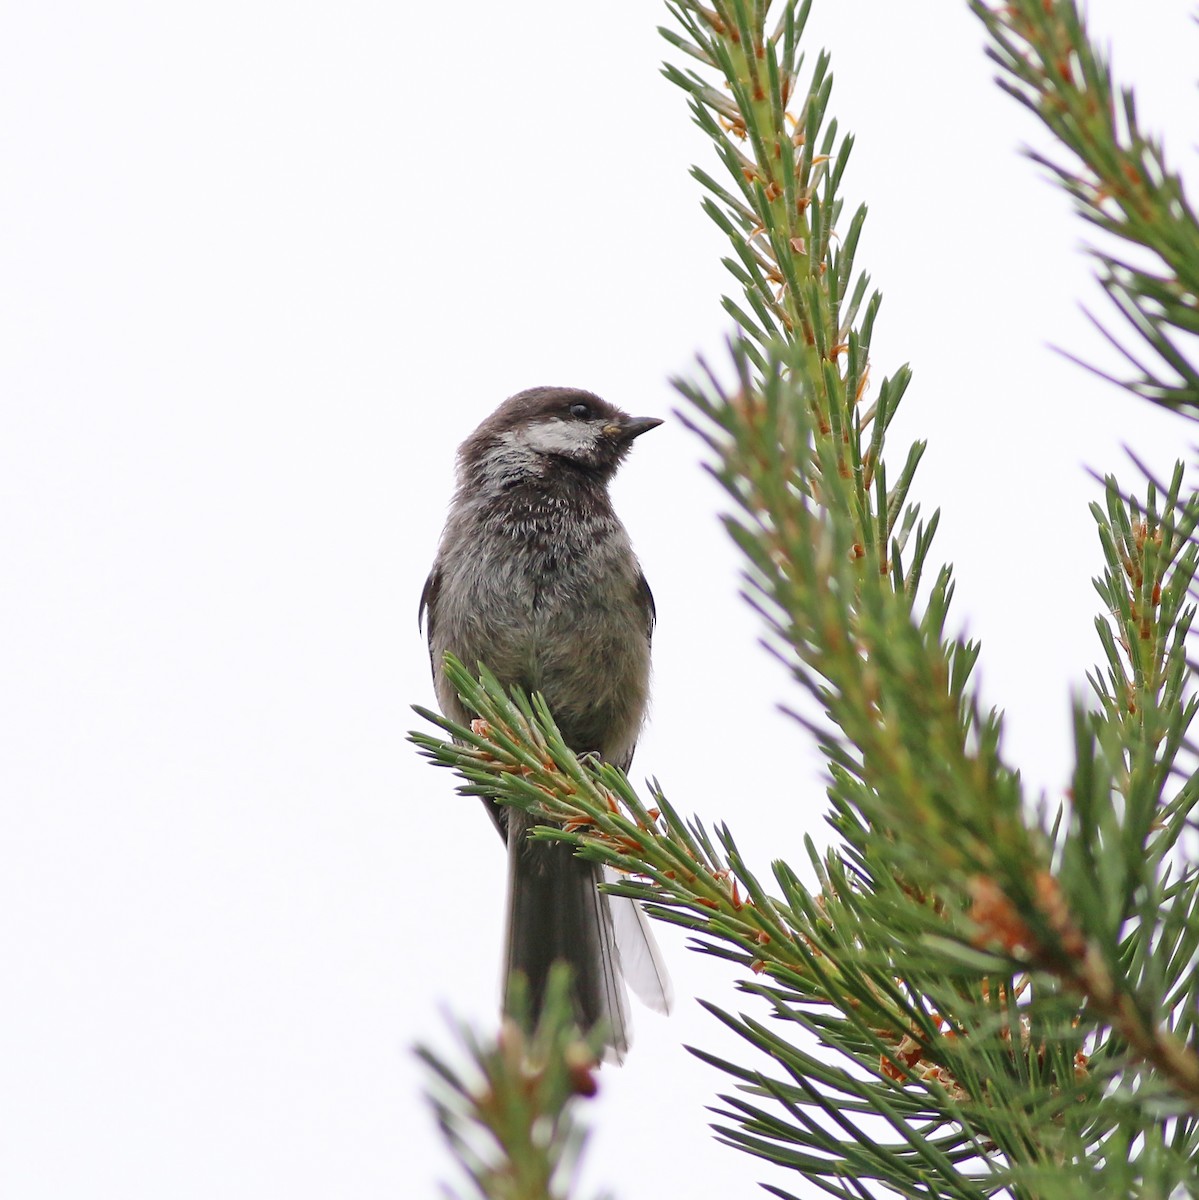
(575, 439)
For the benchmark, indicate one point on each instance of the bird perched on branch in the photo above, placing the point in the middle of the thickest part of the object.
(535, 577)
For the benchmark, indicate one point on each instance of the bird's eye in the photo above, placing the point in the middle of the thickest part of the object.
(581, 411)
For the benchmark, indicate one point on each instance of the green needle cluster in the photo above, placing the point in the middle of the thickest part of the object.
(970, 992)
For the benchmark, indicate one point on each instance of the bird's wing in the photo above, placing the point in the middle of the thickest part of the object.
(645, 598)
(428, 603)
(427, 615)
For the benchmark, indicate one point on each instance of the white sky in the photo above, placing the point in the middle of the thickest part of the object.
(262, 267)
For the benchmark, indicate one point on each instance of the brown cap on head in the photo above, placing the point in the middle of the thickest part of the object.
(546, 424)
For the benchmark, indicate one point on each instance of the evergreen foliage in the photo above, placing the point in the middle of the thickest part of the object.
(510, 1121)
(980, 994)
(1121, 183)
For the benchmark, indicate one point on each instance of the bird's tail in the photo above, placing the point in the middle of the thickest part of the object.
(557, 914)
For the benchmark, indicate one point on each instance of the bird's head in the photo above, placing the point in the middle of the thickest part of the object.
(548, 431)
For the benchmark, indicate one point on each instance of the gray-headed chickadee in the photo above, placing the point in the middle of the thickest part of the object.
(535, 578)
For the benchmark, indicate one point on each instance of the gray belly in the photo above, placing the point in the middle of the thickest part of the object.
(579, 639)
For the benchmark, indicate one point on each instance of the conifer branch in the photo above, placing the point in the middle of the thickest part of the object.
(1011, 995)
(1124, 825)
(1120, 182)
(510, 1119)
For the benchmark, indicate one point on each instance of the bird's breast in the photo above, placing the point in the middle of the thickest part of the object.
(548, 600)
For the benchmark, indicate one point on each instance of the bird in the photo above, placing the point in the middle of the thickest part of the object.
(535, 578)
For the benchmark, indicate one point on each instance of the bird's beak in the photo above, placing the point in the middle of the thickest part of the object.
(632, 427)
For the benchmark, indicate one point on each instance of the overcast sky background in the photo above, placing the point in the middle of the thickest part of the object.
(262, 267)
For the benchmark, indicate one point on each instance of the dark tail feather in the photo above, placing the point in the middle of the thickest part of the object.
(557, 914)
